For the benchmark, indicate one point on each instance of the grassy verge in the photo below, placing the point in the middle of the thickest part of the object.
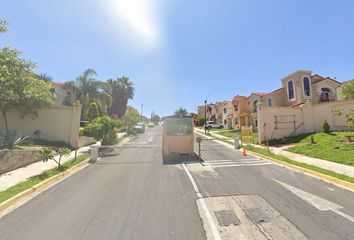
(300, 164)
(331, 147)
(20, 187)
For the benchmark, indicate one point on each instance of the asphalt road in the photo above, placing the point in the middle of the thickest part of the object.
(130, 194)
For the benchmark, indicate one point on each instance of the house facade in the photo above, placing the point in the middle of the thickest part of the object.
(241, 113)
(63, 95)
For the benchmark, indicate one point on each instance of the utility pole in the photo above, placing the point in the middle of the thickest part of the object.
(142, 107)
(205, 115)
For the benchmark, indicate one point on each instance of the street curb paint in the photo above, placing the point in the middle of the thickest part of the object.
(42, 185)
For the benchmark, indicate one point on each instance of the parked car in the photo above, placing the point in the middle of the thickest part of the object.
(140, 127)
(212, 124)
(151, 124)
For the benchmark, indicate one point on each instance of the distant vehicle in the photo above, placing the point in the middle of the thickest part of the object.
(140, 127)
(211, 124)
(151, 124)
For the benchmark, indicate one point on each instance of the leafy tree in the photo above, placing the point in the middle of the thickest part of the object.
(20, 88)
(88, 89)
(181, 111)
(348, 90)
(46, 154)
(156, 118)
(100, 127)
(3, 26)
(129, 120)
(92, 112)
(121, 90)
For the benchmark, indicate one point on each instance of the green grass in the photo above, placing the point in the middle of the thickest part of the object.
(300, 164)
(229, 133)
(332, 147)
(20, 187)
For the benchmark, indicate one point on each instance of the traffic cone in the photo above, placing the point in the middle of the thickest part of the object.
(244, 152)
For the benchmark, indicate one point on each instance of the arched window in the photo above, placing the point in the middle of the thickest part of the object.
(307, 86)
(291, 93)
(325, 94)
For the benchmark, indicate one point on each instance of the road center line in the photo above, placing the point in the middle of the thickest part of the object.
(204, 206)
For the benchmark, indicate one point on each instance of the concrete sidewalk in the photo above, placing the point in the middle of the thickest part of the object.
(18, 175)
(333, 166)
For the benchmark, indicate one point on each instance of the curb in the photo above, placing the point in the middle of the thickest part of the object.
(321, 176)
(329, 179)
(42, 185)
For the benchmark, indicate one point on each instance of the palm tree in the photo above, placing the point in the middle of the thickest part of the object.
(88, 90)
(121, 90)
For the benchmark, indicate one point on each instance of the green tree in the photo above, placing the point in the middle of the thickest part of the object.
(129, 120)
(121, 90)
(20, 88)
(100, 128)
(92, 112)
(45, 77)
(89, 89)
(348, 90)
(181, 111)
(46, 154)
(3, 26)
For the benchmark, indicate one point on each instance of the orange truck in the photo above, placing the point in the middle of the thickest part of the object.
(178, 137)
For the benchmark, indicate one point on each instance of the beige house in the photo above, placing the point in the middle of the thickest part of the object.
(63, 95)
(302, 86)
(252, 102)
(300, 106)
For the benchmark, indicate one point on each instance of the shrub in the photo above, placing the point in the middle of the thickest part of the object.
(100, 128)
(326, 127)
(92, 112)
(81, 131)
(111, 138)
(129, 120)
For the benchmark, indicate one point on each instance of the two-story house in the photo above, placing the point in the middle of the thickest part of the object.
(302, 86)
(241, 113)
(252, 102)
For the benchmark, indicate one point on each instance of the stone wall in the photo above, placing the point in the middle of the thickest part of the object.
(12, 159)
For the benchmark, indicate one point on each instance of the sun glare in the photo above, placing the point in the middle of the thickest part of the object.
(139, 15)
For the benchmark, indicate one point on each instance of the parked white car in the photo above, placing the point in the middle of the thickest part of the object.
(212, 124)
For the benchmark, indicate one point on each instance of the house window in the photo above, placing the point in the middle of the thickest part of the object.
(269, 102)
(291, 92)
(236, 108)
(307, 86)
(325, 93)
(254, 106)
(225, 122)
(225, 110)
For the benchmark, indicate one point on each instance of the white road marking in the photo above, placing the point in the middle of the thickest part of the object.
(241, 165)
(204, 206)
(331, 189)
(316, 201)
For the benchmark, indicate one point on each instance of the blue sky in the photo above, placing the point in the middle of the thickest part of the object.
(179, 52)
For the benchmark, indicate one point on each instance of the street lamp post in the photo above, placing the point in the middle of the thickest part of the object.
(205, 115)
